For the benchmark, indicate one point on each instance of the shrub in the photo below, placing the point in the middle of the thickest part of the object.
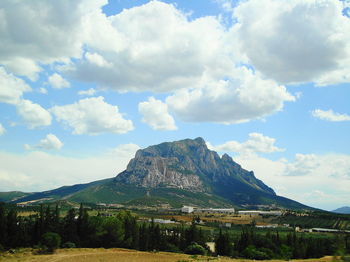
(69, 245)
(195, 249)
(252, 252)
(51, 240)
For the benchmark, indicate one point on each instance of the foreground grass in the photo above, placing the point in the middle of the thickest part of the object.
(119, 255)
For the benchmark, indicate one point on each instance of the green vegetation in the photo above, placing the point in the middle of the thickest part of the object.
(51, 241)
(316, 219)
(78, 229)
(11, 196)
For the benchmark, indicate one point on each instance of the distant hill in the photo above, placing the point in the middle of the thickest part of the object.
(342, 210)
(60, 193)
(173, 174)
(12, 196)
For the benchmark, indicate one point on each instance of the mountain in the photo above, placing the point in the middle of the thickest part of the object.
(12, 196)
(61, 193)
(176, 173)
(342, 210)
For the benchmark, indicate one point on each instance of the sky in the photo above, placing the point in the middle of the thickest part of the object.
(84, 84)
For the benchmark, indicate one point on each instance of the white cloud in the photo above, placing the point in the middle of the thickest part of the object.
(56, 33)
(97, 60)
(57, 81)
(295, 41)
(243, 97)
(89, 92)
(330, 115)
(33, 114)
(92, 116)
(157, 43)
(155, 114)
(307, 179)
(42, 90)
(11, 87)
(22, 66)
(22, 172)
(2, 130)
(50, 142)
(257, 143)
(226, 5)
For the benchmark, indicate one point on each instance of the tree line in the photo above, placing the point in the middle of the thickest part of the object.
(273, 245)
(77, 229)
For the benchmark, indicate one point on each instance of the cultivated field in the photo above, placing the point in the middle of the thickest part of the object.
(120, 255)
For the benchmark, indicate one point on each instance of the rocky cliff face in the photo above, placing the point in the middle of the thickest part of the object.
(173, 174)
(188, 164)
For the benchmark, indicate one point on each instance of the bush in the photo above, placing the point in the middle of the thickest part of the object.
(69, 245)
(252, 252)
(51, 240)
(195, 249)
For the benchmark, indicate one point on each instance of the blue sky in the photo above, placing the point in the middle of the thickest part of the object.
(84, 84)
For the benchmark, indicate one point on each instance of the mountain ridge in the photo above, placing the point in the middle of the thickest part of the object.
(183, 172)
(342, 210)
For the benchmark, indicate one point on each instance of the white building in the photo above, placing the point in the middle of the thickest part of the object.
(187, 209)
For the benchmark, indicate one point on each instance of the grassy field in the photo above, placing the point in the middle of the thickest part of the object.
(119, 255)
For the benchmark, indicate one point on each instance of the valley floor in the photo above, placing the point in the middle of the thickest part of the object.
(121, 255)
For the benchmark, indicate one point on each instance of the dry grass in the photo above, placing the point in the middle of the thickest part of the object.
(120, 255)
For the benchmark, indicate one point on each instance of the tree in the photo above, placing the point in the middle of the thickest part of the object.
(3, 224)
(12, 228)
(144, 237)
(195, 249)
(223, 244)
(51, 240)
(69, 232)
(83, 225)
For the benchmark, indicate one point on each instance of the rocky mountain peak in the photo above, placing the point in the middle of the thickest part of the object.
(187, 164)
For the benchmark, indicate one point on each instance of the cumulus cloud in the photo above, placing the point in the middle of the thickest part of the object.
(92, 116)
(97, 60)
(295, 41)
(56, 33)
(155, 114)
(89, 92)
(308, 178)
(243, 97)
(2, 130)
(12, 87)
(42, 90)
(257, 143)
(57, 81)
(22, 172)
(33, 114)
(157, 43)
(50, 142)
(330, 115)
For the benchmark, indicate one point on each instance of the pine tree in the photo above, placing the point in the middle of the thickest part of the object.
(223, 244)
(82, 225)
(12, 228)
(144, 237)
(70, 227)
(3, 224)
(56, 220)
